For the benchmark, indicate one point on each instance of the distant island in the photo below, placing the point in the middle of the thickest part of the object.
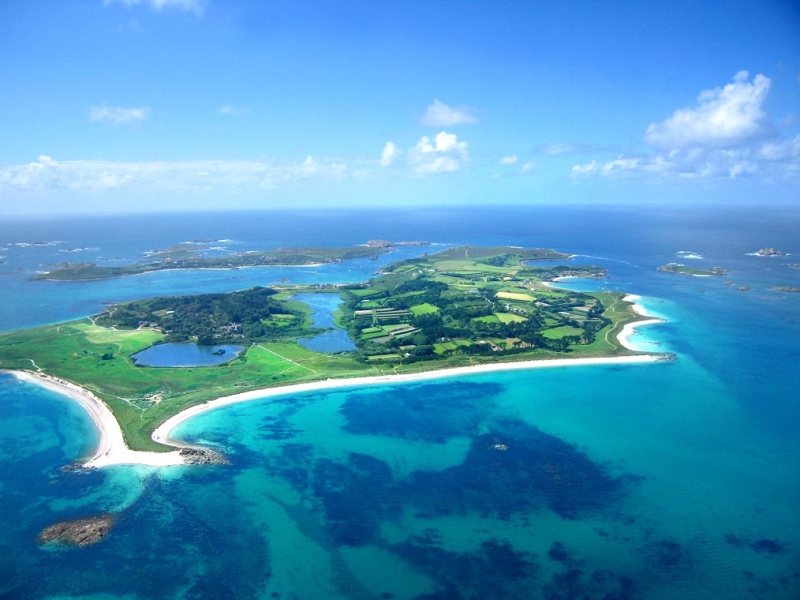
(684, 270)
(462, 308)
(770, 252)
(190, 255)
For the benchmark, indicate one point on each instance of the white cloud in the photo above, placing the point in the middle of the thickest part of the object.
(440, 114)
(509, 160)
(559, 149)
(150, 176)
(782, 150)
(389, 154)
(556, 149)
(720, 138)
(700, 163)
(444, 154)
(528, 167)
(117, 115)
(723, 117)
(230, 109)
(195, 6)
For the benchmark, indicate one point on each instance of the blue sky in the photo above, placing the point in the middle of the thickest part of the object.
(139, 105)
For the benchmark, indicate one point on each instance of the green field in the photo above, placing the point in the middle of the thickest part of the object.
(510, 318)
(423, 309)
(559, 332)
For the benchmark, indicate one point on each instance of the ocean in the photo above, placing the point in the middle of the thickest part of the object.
(651, 481)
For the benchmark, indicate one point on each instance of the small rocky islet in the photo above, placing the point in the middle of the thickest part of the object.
(80, 532)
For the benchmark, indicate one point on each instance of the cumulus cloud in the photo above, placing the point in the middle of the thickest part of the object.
(440, 114)
(722, 137)
(195, 6)
(117, 115)
(724, 117)
(444, 154)
(528, 167)
(509, 160)
(389, 154)
(47, 173)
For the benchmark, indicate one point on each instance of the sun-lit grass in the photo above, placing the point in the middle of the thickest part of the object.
(423, 309)
(510, 318)
(515, 296)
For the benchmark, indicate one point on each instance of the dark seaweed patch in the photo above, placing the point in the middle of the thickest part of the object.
(422, 412)
(576, 581)
(597, 585)
(763, 545)
(514, 469)
(294, 464)
(668, 553)
(354, 497)
(495, 570)
(768, 546)
(669, 558)
(277, 428)
(559, 553)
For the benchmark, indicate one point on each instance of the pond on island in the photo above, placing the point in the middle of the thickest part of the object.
(324, 306)
(186, 354)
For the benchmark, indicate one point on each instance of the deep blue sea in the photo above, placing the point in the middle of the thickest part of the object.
(654, 481)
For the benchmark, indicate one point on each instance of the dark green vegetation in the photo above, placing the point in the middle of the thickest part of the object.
(190, 256)
(461, 307)
(684, 270)
(248, 316)
(492, 304)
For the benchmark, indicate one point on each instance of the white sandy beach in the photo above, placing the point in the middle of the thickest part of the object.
(112, 449)
(627, 330)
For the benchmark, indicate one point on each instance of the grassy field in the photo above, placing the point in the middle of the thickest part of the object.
(510, 318)
(98, 359)
(516, 296)
(423, 309)
(558, 332)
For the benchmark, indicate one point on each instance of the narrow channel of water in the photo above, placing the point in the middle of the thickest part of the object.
(324, 306)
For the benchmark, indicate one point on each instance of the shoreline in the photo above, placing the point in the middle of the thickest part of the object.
(162, 432)
(112, 450)
(629, 329)
(282, 266)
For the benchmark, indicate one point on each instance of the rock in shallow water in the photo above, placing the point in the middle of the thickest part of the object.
(203, 456)
(82, 532)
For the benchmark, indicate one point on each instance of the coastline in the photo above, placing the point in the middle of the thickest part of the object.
(162, 432)
(112, 450)
(629, 329)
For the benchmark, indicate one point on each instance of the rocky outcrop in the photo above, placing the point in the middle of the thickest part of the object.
(203, 456)
(83, 532)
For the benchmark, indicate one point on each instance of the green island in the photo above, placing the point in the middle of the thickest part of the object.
(189, 255)
(460, 307)
(684, 270)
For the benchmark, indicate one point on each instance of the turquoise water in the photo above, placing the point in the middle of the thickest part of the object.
(648, 481)
(186, 354)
